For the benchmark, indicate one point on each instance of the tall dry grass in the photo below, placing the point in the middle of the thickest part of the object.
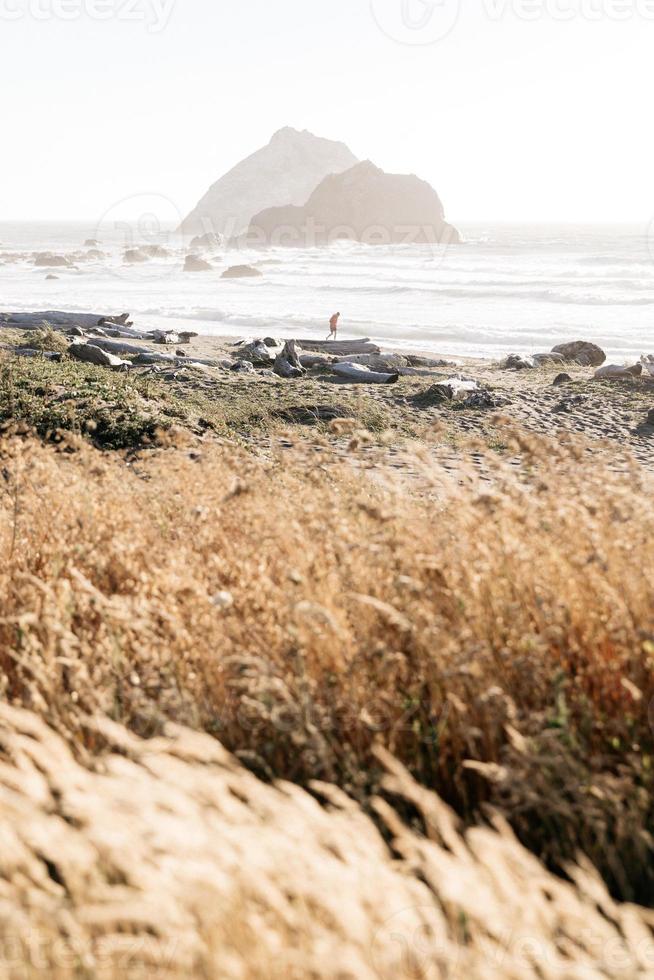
(498, 640)
(166, 859)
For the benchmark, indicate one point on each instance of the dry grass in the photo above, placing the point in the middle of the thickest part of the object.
(167, 859)
(500, 643)
(46, 339)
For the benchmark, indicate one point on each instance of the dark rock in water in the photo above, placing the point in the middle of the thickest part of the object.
(362, 204)
(581, 352)
(209, 240)
(51, 277)
(285, 171)
(270, 342)
(91, 243)
(193, 263)
(155, 251)
(134, 256)
(241, 272)
(49, 260)
(312, 414)
(433, 397)
(561, 379)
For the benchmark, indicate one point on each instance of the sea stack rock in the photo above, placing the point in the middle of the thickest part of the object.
(285, 171)
(363, 204)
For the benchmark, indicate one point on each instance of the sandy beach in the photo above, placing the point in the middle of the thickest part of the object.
(259, 408)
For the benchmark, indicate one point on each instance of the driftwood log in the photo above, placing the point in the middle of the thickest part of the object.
(93, 355)
(339, 348)
(117, 346)
(315, 360)
(150, 358)
(287, 364)
(57, 319)
(358, 374)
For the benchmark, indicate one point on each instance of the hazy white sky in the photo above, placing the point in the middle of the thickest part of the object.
(524, 110)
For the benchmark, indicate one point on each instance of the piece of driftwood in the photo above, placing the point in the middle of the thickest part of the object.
(383, 363)
(338, 348)
(46, 355)
(315, 360)
(618, 372)
(169, 338)
(60, 320)
(287, 363)
(126, 332)
(359, 374)
(117, 346)
(150, 358)
(93, 355)
(257, 353)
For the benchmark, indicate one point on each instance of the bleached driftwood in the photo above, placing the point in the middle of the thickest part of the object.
(256, 352)
(60, 320)
(383, 363)
(93, 355)
(647, 360)
(168, 338)
(150, 358)
(117, 346)
(359, 374)
(46, 355)
(315, 360)
(618, 372)
(338, 348)
(287, 363)
(461, 387)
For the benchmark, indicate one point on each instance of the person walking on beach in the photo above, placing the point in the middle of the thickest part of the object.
(333, 327)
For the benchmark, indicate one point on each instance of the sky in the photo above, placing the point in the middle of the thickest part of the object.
(515, 110)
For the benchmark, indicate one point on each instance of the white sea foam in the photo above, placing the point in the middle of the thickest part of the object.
(505, 289)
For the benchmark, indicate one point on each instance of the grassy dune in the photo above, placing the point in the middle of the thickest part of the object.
(462, 670)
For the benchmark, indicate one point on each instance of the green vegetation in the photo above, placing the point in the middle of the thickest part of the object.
(125, 411)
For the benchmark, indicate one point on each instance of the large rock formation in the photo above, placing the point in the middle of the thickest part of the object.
(363, 204)
(284, 172)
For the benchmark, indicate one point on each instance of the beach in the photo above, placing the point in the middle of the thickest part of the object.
(506, 288)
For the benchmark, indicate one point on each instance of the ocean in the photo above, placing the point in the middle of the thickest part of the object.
(507, 288)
